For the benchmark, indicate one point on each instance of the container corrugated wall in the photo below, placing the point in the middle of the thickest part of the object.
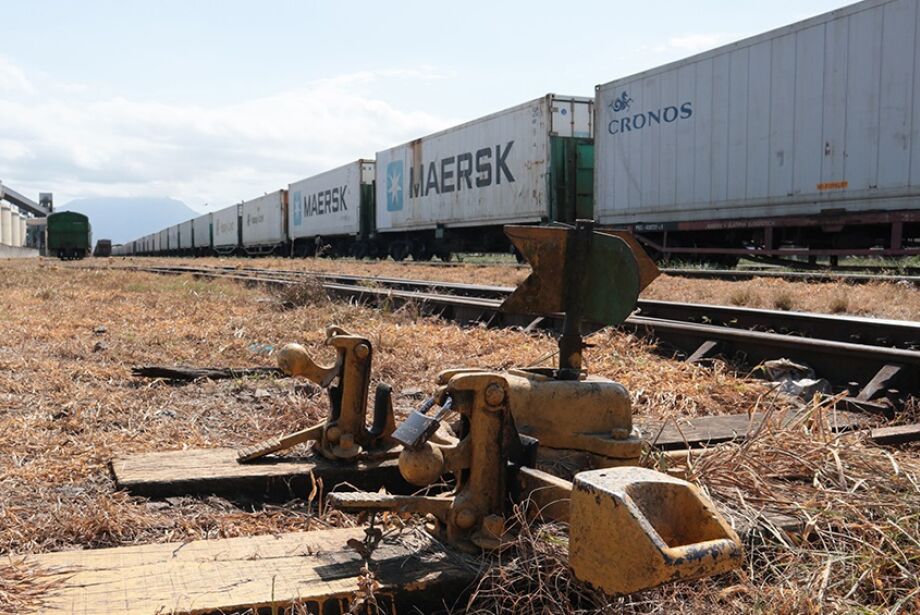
(329, 203)
(185, 235)
(226, 226)
(488, 171)
(264, 220)
(202, 229)
(172, 237)
(820, 115)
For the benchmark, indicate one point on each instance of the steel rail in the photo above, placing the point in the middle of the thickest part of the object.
(841, 362)
(839, 328)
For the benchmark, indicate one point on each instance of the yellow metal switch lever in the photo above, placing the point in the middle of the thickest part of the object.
(344, 434)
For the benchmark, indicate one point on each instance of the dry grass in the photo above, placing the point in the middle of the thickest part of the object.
(859, 550)
(68, 404)
(884, 300)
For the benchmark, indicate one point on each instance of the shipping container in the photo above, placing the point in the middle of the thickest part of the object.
(185, 237)
(264, 222)
(332, 205)
(162, 246)
(820, 118)
(513, 166)
(202, 230)
(172, 236)
(225, 225)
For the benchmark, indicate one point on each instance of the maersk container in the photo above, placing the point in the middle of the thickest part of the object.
(819, 116)
(185, 236)
(264, 220)
(490, 171)
(226, 228)
(202, 230)
(332, 203)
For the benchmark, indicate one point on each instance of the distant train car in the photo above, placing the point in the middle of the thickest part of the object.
(103, 248)
(68, 235)
(455, 190)
(334, 210)
(226, 236)
(263, 224)
(201, 235)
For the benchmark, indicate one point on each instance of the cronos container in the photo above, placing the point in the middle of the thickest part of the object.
(822, 115)
(202, 230)
(490, 171)
(264, 219)
(225, 228)
(332, 202)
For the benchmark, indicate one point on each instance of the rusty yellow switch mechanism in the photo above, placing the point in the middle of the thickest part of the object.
(634, 528)
(631, 528)
(344, 435)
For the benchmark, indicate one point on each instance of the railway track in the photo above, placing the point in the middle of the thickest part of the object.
(863, 356)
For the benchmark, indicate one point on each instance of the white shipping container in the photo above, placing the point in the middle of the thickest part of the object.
(492, 170)
(264, 219)
(159, 244)
(185, 235)
(225, 226)
(172, 236)
(202, 225)
(820, 115)
(329, 203)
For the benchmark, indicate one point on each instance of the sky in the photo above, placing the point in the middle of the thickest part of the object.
(216, 102)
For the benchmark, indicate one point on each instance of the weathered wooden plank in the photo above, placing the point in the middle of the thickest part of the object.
(900, 434)
(708, 430)
(234, 574)
(217, 471)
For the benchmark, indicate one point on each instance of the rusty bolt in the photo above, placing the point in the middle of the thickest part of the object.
(347, 440)
(465, 518)
(495, 394)
(362, 350)
(333, 434)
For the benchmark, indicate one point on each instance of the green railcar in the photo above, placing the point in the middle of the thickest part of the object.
(68, 235)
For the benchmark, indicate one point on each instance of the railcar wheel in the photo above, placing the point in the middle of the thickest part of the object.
(421, 251)
(399, 251)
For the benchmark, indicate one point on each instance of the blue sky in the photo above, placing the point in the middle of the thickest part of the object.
(215, 102)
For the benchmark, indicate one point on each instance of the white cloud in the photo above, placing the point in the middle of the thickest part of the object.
(13, 79)
(78, 144)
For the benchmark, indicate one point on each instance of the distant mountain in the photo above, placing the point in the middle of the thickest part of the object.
(124, 219)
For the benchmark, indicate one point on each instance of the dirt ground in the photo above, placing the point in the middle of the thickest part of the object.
(899, 301)
(68, 404)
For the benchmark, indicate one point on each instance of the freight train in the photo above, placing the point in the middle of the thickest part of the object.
(804, 141)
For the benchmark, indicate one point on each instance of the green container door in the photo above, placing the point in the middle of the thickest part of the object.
(368, 211)
(571, 179)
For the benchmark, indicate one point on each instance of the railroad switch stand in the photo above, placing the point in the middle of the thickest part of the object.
(510, 421)
(344, 434)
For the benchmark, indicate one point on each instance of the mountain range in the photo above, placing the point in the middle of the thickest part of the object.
(124, 219)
